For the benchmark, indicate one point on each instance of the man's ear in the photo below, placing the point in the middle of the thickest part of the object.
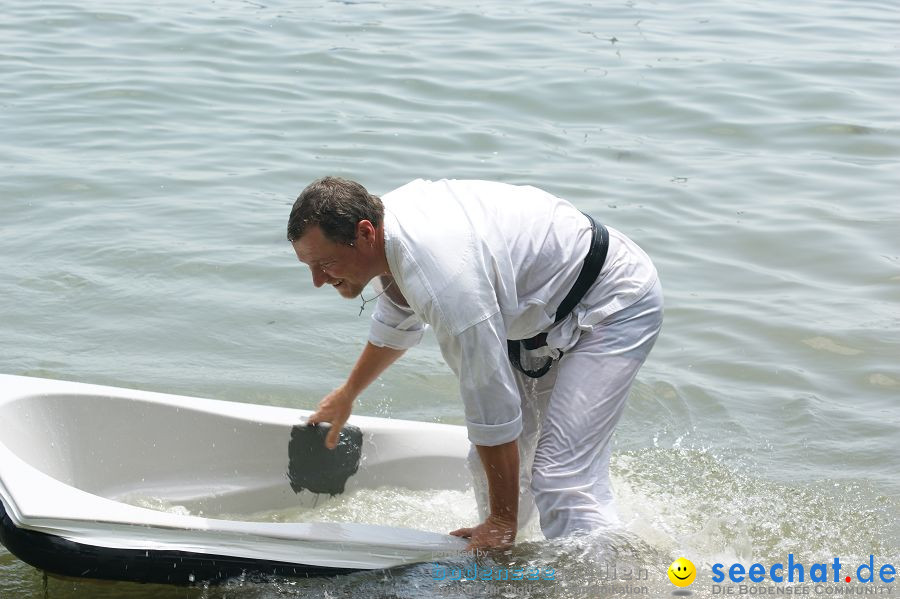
(365, 230)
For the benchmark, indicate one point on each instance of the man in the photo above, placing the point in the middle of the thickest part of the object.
(483, 263)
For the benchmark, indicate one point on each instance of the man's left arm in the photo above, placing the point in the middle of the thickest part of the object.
(501, 465)
(494, 421)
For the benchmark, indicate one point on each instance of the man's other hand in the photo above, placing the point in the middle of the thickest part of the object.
(493, 533)
(335, 409)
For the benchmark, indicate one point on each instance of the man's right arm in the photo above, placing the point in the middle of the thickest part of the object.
(336, 407)
(394, 329)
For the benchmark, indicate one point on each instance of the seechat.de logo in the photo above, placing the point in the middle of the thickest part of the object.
(794, 571)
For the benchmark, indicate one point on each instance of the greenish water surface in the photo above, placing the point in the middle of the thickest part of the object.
(151, 151)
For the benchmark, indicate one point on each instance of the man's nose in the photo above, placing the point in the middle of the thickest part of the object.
(319, 277)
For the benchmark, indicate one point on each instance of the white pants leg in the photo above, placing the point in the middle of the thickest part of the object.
(568, 419)
(570, 473)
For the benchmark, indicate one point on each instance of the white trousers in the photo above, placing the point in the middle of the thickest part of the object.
(568, 419)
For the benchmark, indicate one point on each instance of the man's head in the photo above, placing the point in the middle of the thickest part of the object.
(336, 205)
(335, 229)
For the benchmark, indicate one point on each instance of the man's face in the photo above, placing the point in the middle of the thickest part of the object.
(339, 265)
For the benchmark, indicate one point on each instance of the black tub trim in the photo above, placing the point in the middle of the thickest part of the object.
(63, 557)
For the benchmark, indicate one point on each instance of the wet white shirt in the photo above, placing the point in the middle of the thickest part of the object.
(483, 262)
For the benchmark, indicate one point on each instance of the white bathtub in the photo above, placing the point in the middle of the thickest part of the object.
(71, 453)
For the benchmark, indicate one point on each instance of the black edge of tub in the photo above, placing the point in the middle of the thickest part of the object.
(68, 558)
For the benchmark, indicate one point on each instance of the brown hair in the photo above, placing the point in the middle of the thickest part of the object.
(336, 205)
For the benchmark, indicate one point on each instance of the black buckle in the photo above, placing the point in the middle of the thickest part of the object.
(515, 357)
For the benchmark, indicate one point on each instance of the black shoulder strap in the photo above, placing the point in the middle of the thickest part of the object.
(590, 270)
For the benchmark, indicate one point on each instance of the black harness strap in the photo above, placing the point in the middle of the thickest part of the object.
(590, 270)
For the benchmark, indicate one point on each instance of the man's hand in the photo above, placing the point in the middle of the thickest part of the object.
(501, 465)
(493, 533)
(335, 408)
(337, 405)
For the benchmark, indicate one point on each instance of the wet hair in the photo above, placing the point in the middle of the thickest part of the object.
(336, 205)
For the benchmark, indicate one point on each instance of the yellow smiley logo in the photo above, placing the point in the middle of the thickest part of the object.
(682, 572)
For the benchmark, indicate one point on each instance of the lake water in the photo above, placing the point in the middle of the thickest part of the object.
(151, 152)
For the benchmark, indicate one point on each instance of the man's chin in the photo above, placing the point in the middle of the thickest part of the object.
(347, 291)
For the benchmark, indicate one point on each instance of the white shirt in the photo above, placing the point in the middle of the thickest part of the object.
(483, 262)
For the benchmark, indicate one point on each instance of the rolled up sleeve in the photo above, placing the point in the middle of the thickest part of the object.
(491, 399)
(395, 326)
